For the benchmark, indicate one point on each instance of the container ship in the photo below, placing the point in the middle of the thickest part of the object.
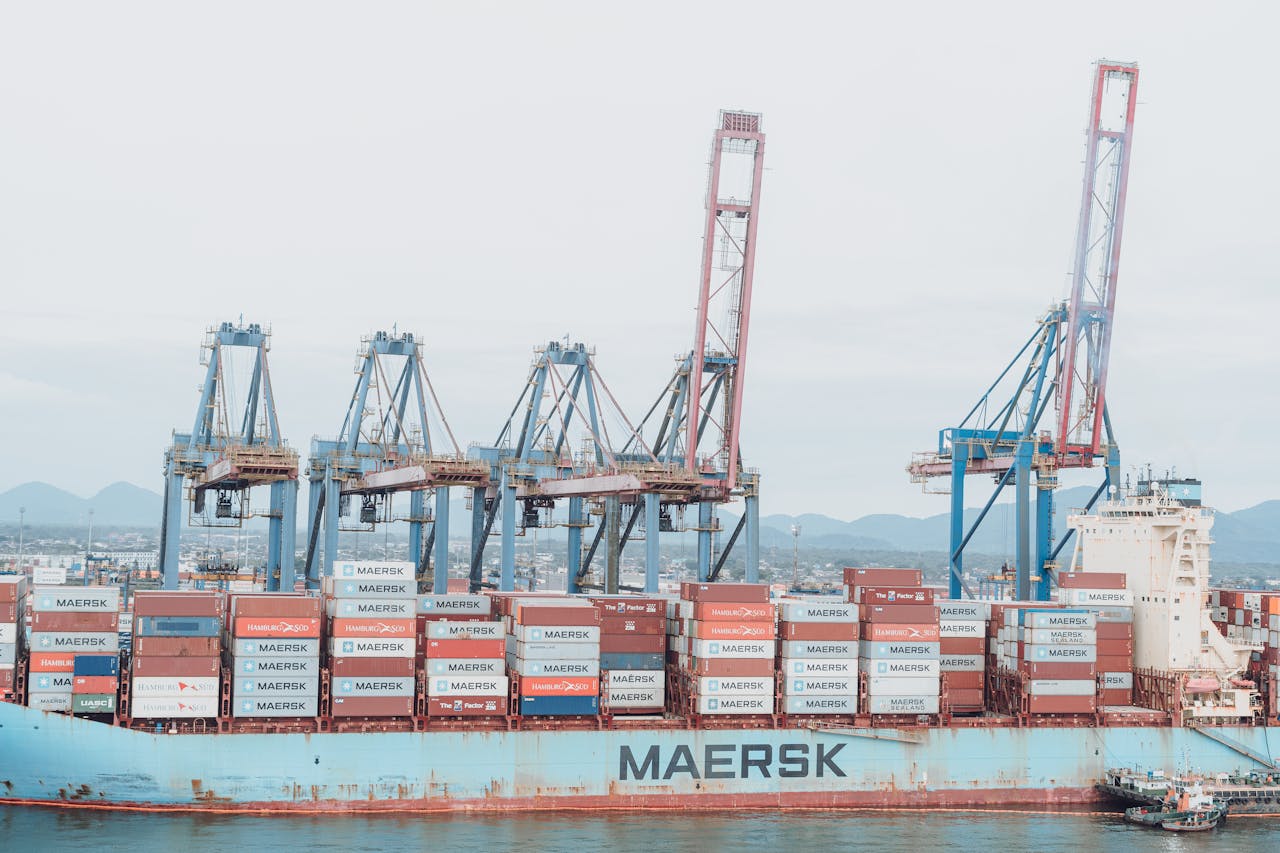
(368, 695)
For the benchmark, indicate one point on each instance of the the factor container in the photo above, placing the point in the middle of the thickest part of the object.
(268, 627)
(81, 624)
(175, 672)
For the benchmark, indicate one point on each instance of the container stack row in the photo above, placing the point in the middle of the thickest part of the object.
(463, 655)
(962, 644)
(818, 657)
(900, 648)
(556, 660)
(175, 669)
(633, 647)
(1106, 595)
(372, 629)
(724, 639)
(80, 627)
(1057, 651)
(275, 643)
(1253, 616)
(13, 604)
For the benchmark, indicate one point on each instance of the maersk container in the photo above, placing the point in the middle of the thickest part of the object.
(811, 611)
(178, 708)
(466, 666)
(730, 704)
(651, 696)
(1055, 618)
(370, 608)
(177, 626)
(8, 633)
(549, 633)
(743, 686)
(274, 706)
(382, 588)
(618, 679)
(1099, 597)
(821, 686)
(733, 648)
(819, 704)
(551, 651)
(622, 660)
(371, 686)
(65, 599)
(59, 702)
(277, 666)
(373, 569)
(294, 648)
(357, 647)
(820, 666)
(174, 687)
(559, 706)
(575, 667)
(962, 663)
(95, 665)
(50, 682)
(976, 611)
(277, 685)
(75, 642)
(901, 649)
(466, 630)
(912, 667)
(1054, 687)
(1060, 654)
(8, 653)
(470, 685)
(1117, 680)
(903, 704)
(1060, 636)
(956, 628)
(93, 703)
(890, 685)
(459, 604)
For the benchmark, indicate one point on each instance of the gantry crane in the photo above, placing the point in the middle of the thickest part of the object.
(1063, 362)
(386, 446)
(229, 455)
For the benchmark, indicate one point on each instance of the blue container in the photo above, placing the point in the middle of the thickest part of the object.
(177, 626)
(632, 660)
(95, 665)
(560, 706)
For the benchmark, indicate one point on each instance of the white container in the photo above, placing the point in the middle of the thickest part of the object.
(1100, 597)
(1060, 654)
(373, 570)
(167, 708)
(903, 704)
(733, 649)
(370, 608)
(819, 666)
(277, 648)
(465, 630)
(888, 685)
(84, 599)
(1060, 636)
(625, 679)
(60, 702)
(275, 666)
(878, 649)
(955, 628)
(1117, 680)
(371, 685)
(276, 686)
(728, 704)
(357, 647)
(8, 632)
(819, 649)
(50, 682)
(652, 696)
(903, 668)
(551, 651)
(465, 667)
(745, 686)
(1061, 687)
(1061, 619)
(962, 663)
(274, 706)
(811, 611)
(573, 667)
(963, 611)
(456, 604)
(547, 633)
(178, 688)
(821, 686)
(85, 643)
(369, 588)
(480, 685)
(818, 704)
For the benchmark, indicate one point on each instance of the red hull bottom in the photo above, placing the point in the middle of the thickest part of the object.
(990, 799)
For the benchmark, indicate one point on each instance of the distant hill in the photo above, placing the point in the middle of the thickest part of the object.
(122, 504)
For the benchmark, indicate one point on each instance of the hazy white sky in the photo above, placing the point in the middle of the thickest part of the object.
(492, 176)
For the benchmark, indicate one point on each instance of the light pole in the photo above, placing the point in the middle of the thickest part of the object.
(88, 549)
(22, 517)
(795, 565)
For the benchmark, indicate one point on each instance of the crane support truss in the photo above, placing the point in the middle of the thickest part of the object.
(387, 446)
(1063, 362)
(227, 453)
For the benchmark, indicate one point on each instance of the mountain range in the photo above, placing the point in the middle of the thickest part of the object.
(1247, 536)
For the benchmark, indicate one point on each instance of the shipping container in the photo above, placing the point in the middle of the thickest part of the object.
(890, 595)
(1061, 704)
(466, 706)
(735, 667)
(465, 648)
(560, 706)
(466, 666)
(903, 704)
(738, 631)
(725, 592)
(281, 605)
(52, 662)
(902, 667)
(892, 685)
(158, 603)
(810, 611)
(93, 703)
(61, 599)
(730, 704)
(823, 631)
(471, 685)
(705, 686)
(275, 627)
(949, 629)
(472, 630)
(630, 660)
(819, 704)
(373, 706)
(51, 682)
(733, 648)
(718, 611)
(358, 647)
(276, 706)
(573, 667)
(371, 608)
(94, 684)
(78, 642)
(57, 702)
(1059, 687)
(373, 588)
(345, 627)
(962, 663)
(176, 667)
(276, 685)
(818, 649)
(821, 685)
(198, 686)
(167, 707)
(95, 665)
(902, 633)
(647, 697)
(461, 605)
(298, 648)
(819, 666)
(372, 685)
(883, 577)
(176, 646)
(963, 611)
(880, 650)
(633, 643)
(1060, 654)
(75, 621)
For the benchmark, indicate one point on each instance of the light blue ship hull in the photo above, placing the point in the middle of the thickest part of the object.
(53, 758)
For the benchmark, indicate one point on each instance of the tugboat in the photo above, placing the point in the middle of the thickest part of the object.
(1254, 793)
(1191, 810)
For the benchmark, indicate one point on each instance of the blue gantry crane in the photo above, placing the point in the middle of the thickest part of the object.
(1063, 363)
(229, 451)
(394, 439)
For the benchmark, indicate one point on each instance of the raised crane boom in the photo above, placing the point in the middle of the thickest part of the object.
(1082, 375)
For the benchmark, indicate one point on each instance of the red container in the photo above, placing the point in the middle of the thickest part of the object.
(94, 684)
(744, 667)
(11, 592)
(73, 621)
(633, 625)
(963, 646)
(373, 667)
(886, 631)
(276, 627)
(555, 685)
(156, 603)
(1117, 696)
(1066, 671)
(466, 648)
(735, 592)
(172, 667)
(712, 611)
(275, 604)
(964, 680)
(1114, 663)
(373, 706)
(8, 611)
(6, 679)
(372, 627)
(627, 605)
(891, 595)
(632, 643)
(1115, 631)
(549, 614)
(883, 577)
(52, 662)
(901, 614)
(466, 706)
(177, 646)
(1091, 580)
(1116, 649)
(818, 631)
(966, 697)
(1061, 704)
(734, 630)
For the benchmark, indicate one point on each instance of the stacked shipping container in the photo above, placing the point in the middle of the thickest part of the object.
(13, 605)
(80, 626)
(1057, 651)
(1253, 617)
(275, 642)
(725, 642)
(633, 646)
(372, 630)
(1105, 594)
(900, 640)
(175, 671)
(962, 645)
(818, 657)
(464, 656)
(555, 655)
